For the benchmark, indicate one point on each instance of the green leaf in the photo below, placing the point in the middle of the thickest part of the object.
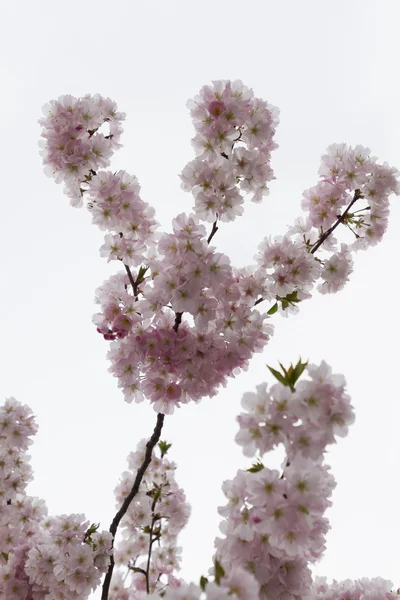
(297, 371)
(5, 556)
(203, 582)
(164, 447)
(273, 309)
(92, 529)
(289, 299)
(88, 534)
(289, 376)
(155, 493)
(218, 572)
(141, 274)
(278, 376)
(258, 466)
(284, 370)
(285, 304)
(146, 529)
(292, 297)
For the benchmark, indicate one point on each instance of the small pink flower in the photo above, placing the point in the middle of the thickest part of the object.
(216, 108)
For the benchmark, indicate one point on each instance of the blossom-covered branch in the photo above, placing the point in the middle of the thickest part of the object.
(131, 495)
(181, 320)
(41, 557)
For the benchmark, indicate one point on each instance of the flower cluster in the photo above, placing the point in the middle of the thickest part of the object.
(41, 558)
(164, 356)
(17, 425)
(304, 420)
(274, 521)
(233, 143)
(361, 589)
(354, 191)
(116, 206)
(347, 175)
(180, 318)
(237, 584)
(73, 148)
(150, 526)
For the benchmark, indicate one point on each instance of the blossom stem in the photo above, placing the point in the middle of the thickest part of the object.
(178, 321)
(125, 505)
(361, 209)
(213, 231)
(178, 315)
(132, 281)
(340, 219)
(151, 541)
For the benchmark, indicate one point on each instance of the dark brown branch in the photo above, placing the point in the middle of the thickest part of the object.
(132, 281)
(340, 219)
(178, 321)
(327, 233)
(125, 505)
(151, 541)
(213, 232)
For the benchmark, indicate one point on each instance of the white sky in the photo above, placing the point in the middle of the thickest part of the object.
(333, 70)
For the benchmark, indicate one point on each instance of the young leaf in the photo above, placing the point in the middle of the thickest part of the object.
(288, 299)
(164, 447)
(278, 375)
(88, 534)
(273, 309)
(297, 371)
(203, 582)
(284, 370)
(258, 466)
(141, 274)
(218, 572)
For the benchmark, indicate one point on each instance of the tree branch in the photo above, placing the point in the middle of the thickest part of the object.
(178, 321)
(131, 280)
(340, 219)
(213, 232)
(125, 505)
(327, 233)
(151, 540)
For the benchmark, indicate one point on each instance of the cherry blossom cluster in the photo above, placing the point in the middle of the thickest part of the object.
(304, 420)
(237, 584)
(73, 148)
(181, 320)
(234, 139)
(41, 558)
(361, 589)
(148, 545)
(17, 425)
(116, 206)
(185, 320)
(163, 356)
(274, 520)
(349, 175)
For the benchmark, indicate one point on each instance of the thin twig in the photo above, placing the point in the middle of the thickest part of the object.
(132, 281)
(125, 505)
(327, 233)
(178, 321)
(151, 541)
(213, 232)
(178, 315)
(340, 219)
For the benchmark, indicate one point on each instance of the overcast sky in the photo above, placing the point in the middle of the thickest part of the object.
(333, 70)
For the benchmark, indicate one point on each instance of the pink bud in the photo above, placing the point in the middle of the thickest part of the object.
(216, 108)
